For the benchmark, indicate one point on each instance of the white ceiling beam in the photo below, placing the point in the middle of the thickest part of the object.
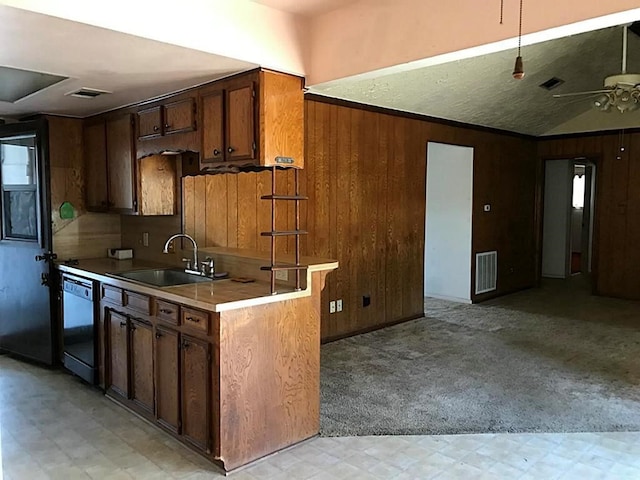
(237, 29)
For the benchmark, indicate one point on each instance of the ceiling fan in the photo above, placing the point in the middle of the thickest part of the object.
(621, 91)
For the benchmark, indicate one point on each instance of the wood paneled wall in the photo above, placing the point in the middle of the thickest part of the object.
(365, 178)
(617, 216)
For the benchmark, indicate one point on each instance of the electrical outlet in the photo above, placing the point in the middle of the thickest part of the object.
(282, 275)
(339, 305)
(145, 239)
(332, 307)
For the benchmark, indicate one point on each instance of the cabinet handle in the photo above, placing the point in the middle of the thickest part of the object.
(123, 324)
(231, 149)
(216, 152)
(167, 126)
(158, 335)
(185, 345)
(166, 310)
(156, 128)
(192, 319)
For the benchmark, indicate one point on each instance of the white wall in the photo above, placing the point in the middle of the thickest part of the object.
(447, 256)
(556, 222)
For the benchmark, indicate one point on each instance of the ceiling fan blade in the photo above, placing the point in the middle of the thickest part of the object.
(575, 94)
(586, 100)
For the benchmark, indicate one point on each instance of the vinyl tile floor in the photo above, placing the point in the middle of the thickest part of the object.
(54, 427)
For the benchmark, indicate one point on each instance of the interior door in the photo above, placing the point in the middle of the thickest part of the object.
(556, 229)
(26, 324)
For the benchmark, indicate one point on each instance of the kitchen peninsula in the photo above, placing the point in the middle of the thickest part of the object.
(226, 367)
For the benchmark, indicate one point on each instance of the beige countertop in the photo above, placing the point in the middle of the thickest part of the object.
(216, 296)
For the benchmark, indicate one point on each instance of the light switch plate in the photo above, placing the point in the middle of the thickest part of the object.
(145, 239)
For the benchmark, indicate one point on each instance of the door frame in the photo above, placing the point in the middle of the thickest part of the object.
(596, 160)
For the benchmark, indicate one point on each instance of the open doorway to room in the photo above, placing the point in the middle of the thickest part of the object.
(568, 218)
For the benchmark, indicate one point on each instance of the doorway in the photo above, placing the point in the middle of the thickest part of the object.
(449, 201)
(569, 207)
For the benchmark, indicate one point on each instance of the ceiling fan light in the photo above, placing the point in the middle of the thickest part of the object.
(602, 103)
(518, 69)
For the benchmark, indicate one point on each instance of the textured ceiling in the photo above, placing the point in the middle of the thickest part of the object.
(481, 91)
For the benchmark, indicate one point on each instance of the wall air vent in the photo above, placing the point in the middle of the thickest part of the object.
(486, 272)
(552, 83)
(87, 93)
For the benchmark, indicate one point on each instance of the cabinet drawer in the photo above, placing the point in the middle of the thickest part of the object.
(167, 311)
(111, 294)
(137, 302)
(195, 319)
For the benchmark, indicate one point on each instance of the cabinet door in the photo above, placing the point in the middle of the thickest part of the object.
(149, 123)
(180, 116)
(212, 126)
(120, 163)
(167, 378)
(142, 388)
(118, 380)
(95, 161)
(240, 123)
(196, 375)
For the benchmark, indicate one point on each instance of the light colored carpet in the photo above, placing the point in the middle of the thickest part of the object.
(553, 359)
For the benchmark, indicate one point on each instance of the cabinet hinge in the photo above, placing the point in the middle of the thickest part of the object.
(135, 205)
(253, 145)
(253, 93)
(208, 357)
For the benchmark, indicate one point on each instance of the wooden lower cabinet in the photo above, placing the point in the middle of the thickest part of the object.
(167, 356)
(118, 357)
(142, 384)
(196, 375)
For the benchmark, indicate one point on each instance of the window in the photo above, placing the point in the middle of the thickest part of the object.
(18, 183)
(578, 191)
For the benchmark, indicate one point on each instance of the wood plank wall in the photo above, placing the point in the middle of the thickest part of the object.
(365, 178)
(617, 224)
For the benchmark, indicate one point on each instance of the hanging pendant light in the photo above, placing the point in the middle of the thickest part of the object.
(518, 70)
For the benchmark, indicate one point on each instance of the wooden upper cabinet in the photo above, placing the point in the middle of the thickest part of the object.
(228, 123)
(212, 127)
(180, 116)
(95, 160)
(173, 117)
(167, 355)
(253, 119)
(157, 189)
(196, 385)
(142, 385)
(118, 378)
(149, 123)
(120, 164)
(241, 144)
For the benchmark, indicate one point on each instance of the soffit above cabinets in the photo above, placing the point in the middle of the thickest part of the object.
(85, 56)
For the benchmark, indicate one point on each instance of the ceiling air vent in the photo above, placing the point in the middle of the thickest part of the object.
(87, 93)
(551, 83)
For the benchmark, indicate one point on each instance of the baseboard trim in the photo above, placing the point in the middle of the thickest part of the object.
(334, 338)
(445, 297)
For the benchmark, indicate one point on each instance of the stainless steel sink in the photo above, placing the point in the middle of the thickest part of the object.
(161, 277)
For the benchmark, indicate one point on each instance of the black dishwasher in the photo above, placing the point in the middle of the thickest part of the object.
(79, 327)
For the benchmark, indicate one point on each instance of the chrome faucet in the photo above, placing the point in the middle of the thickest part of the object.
(189, 267)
